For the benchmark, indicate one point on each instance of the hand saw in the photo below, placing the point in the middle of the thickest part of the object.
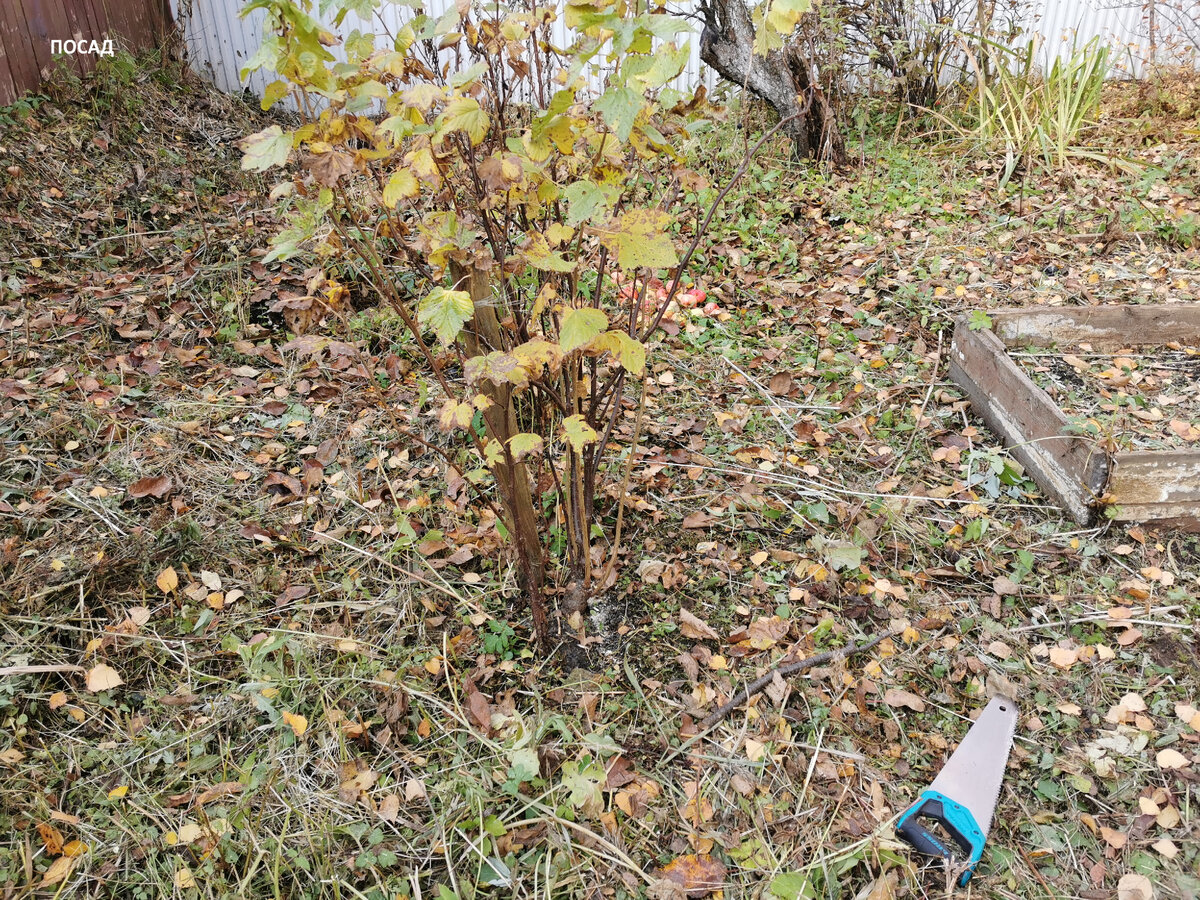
(963, 797)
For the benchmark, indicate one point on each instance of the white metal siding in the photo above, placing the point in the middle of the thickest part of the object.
(220, 42)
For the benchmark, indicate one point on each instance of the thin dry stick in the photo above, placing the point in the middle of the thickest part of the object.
(38, 670)
(933, 376)
(1032, 868)
(784, 669)
(637, 431)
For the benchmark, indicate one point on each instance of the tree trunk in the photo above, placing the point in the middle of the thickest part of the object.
(782, 78)
(512, 476)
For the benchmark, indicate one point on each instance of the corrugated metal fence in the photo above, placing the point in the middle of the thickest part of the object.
(28, 26)
(220, 42)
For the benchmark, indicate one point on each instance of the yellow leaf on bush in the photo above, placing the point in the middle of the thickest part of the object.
(641, 237)
(298, 723)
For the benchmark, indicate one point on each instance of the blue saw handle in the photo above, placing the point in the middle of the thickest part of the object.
(955, 818)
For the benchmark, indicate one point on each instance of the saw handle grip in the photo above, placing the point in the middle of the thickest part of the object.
(955, 818)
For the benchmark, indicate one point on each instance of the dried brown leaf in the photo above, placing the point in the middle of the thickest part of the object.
(478, 706)
(389, 807)
(696, 874)
(156, 486)
(895, 697)
(1135, 887)
(692, 626)
(221, 789)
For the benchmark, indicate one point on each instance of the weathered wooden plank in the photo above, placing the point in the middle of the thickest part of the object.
(136, 25)
(1071, 471)
(14, 34)
(47, 22)
(27, 28)
(123, 21)
(1161, 487)
(8, 85)
(96, 24)
(1104, 327)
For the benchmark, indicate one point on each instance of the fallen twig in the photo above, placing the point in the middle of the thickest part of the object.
(38, 670)
(784, 669)
(933, 375)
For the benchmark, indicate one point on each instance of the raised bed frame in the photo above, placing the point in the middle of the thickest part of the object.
(1159, 487)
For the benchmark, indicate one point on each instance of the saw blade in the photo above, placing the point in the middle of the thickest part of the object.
(973, 774)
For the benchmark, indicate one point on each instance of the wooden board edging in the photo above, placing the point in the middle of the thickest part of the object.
(1070, 470)
(1161, 486)
(1104, 327)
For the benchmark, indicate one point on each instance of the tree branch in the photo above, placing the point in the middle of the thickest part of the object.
(787, 668)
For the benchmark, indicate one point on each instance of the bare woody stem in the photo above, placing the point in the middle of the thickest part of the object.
(712, 211)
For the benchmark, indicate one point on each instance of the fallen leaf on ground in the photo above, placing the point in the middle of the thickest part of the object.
(1189, 715)
(1129, 637)
(884, 887)
(478, 705)
(297, 722)
(167, 580)
(189, 833)
(1112, 837)
(223, 789)
(894, 697)
(58, 871)
(692, 626)
(102, 678)
(151, 486)
(184, 879)
(1005, 586)
(1170, 758)
(696, 874)
(1169, 818)
(1135, 887)
(1063, 658)
(389, 807)
(51, 837)
(1165, 847)
(1133, 703)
